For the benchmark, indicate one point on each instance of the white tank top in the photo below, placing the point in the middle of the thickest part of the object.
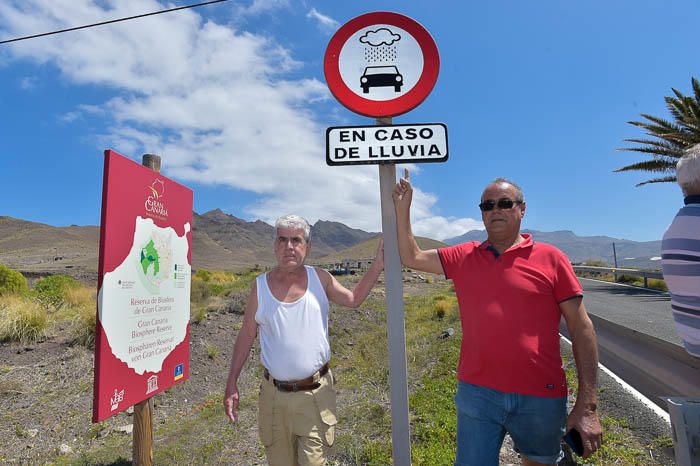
(294, 340)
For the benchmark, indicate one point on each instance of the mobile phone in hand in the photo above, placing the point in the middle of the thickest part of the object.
(573, 439)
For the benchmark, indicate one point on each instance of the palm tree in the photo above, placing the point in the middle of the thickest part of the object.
(673, 137)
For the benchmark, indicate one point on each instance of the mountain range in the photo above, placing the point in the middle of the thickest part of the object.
(224, 242)
(630, 254)
(219, 242)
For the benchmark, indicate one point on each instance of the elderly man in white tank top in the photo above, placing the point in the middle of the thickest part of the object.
(289, 305)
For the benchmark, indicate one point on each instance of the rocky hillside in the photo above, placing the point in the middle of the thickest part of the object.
(582, 248)
(220, 242)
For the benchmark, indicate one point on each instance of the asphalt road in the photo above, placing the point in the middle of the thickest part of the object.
(646, 311)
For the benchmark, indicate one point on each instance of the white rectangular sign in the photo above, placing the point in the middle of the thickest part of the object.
(379, 144)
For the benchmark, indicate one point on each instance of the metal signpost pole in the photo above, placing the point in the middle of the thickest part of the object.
(406, 65)
(142, 454)
(393, 277)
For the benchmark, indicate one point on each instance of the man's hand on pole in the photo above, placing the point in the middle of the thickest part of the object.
(379, 255)
(403, 192)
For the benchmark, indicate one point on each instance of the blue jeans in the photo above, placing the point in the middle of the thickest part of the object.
(536, 425)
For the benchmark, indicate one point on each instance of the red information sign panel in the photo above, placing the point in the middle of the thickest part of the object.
(143, 304)
(381, 64)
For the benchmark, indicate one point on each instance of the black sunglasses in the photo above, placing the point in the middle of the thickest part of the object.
(503, 203)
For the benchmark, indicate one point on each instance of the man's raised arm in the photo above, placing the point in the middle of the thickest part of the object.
(411, 254)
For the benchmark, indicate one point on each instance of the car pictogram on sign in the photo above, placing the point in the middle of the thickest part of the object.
(381, 76)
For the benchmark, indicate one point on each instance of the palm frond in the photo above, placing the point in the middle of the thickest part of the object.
(666, 179)
(678, 93)
(653, 151)
(672, 136)
(653, 142)
(677, 107)
(696, 88)
(684, 139)
(664, 126)
(656, 130)
(662, 147)
(654, 166)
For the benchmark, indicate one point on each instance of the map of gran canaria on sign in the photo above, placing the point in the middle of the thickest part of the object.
(142, 340)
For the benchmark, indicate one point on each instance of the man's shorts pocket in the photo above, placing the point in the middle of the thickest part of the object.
(265, 407)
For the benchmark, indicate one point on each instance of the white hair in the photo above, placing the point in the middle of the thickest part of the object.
(688, 171)
(294, 222)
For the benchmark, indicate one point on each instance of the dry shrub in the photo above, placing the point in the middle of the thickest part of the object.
(84, 325)
(656, 284)
(82, 296)
(440, 308)
(199, 291)
(22, 319)
(198, 314)
(223, 277)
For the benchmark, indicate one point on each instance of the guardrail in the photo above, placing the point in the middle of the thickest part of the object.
(646, 274)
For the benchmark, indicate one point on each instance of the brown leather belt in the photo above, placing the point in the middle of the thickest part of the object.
(309, 383)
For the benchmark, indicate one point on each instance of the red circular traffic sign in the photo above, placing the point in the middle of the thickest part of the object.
(381, 64)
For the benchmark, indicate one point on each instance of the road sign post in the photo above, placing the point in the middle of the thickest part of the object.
(393, 278)
(381, 65)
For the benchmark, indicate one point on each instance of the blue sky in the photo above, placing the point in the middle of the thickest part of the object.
(233, 97)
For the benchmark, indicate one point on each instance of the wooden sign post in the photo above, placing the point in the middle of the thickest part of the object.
(142, 448)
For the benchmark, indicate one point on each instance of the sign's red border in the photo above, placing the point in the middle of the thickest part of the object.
(393, 107)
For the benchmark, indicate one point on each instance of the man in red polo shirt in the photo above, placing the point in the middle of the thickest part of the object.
(512, 292)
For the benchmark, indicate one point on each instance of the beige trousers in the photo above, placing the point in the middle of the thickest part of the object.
(297, 428)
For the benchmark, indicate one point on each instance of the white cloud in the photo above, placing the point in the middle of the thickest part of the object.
(28, 83)
(426, 223)
(261, 6)
(215, 102)
(69, 117)
(326, 23)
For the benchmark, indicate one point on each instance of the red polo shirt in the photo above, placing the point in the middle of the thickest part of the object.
(509, 307)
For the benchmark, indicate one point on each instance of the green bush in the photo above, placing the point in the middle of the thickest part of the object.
(595, 263)
(657, 284)
(55, 289)
(198, 315)
(627, 279)
(199, 290)
(203, 275)
(12, 282)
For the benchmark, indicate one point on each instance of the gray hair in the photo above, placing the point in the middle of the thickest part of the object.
(518, 190)
(688, 171)
(294, 222)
